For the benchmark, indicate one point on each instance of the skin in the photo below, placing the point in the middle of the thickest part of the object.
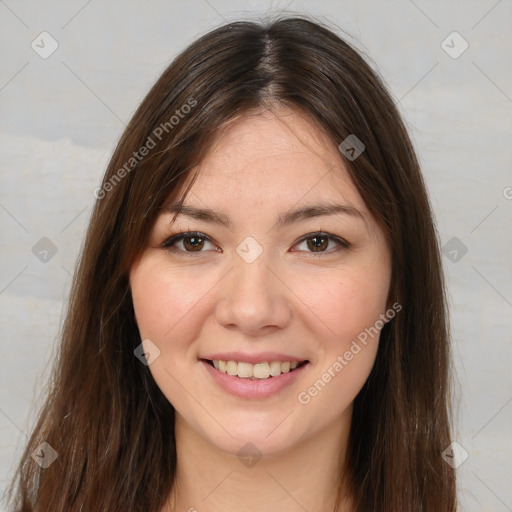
(291, 300)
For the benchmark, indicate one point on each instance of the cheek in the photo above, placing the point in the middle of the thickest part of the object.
(344, 304)
(166, 304)
(347, 309)
(170, 311)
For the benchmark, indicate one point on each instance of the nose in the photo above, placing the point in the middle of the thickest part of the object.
(253, 299)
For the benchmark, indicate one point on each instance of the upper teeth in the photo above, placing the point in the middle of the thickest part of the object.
(258, 370)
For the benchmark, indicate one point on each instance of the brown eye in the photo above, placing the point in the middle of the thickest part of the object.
(193, 243)
(190, 242)
(318, 243)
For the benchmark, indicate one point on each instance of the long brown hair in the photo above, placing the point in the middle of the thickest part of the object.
(109, 423)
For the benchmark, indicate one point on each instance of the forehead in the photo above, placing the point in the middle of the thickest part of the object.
(280, 155)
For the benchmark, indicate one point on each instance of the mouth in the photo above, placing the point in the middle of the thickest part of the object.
(259, 371)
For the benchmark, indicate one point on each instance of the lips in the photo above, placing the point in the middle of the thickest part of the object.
(263, 376)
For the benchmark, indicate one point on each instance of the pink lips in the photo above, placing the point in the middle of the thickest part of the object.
(253, 389)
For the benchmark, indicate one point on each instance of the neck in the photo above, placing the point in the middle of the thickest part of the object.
(305, 477)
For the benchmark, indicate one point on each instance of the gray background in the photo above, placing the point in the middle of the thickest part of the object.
(61, 117)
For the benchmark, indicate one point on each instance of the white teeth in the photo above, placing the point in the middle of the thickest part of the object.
(260, 370)
(275, 368)
(255, 371)
(232, 368)
(245, 370)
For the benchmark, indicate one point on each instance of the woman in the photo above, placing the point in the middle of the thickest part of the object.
(258, 317)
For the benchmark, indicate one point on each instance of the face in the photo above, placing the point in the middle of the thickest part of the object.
(258, 304)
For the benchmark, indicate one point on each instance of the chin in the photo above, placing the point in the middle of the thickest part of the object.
(249, 434)
(255, 444)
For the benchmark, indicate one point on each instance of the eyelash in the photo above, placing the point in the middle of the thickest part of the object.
(168, 244)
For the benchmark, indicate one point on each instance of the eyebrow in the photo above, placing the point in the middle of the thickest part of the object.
(285, 219)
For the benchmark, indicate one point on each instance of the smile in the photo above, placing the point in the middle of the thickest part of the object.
(254, 381)
(263, 370)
